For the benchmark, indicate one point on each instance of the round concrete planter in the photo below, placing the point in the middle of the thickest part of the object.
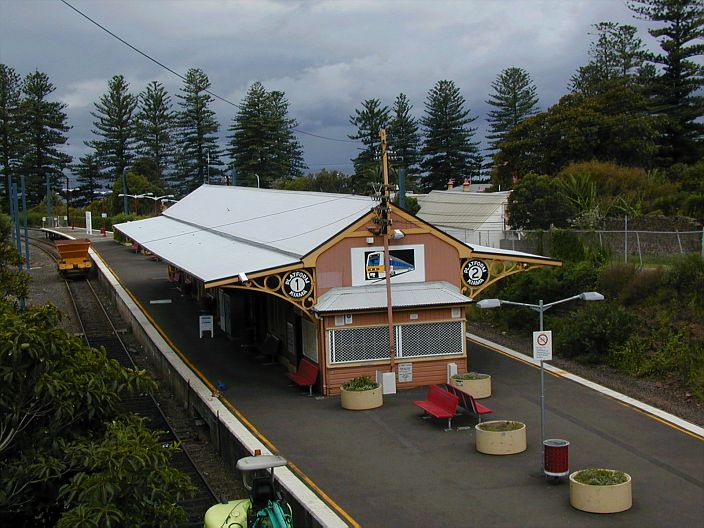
(477, 388)
(612, 498)
(500, 442)
(361, 400)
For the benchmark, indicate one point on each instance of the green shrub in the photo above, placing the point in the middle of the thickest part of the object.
(686, 277)
(600, 477)
(588, 333)
(470, 376)
(361, 383)
(501, 426)
(565, 245)
(644, 284)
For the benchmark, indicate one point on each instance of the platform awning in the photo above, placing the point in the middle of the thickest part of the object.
(409, 295)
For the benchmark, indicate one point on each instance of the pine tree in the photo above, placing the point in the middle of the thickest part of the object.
(115, 127)
(10, 145)
(404, 139)
(678, 88)
(617, 55)
(154, 127)
(514, 98)
(88, 175)
(44, 127)
(262, 144)
(196, 132)
(369, 122)
(448, 150)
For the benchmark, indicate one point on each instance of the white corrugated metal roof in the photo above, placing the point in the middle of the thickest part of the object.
(217, 232)
(402, 295)
(505, 252)
(465, 210)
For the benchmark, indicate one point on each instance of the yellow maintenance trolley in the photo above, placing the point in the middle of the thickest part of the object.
(73, 256)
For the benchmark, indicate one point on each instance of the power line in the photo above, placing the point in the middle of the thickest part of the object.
(170, 70)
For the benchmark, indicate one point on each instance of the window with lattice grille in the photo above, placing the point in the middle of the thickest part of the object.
(431, 339)
(417, 340)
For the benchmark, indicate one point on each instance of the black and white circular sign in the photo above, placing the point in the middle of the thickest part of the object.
(297, 284)
(475, 273)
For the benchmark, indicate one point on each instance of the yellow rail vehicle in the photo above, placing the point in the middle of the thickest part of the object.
(73, 256)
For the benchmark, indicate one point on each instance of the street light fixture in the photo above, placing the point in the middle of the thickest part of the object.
(541, 308)
(155, 198)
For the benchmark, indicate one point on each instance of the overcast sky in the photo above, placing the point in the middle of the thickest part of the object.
(327, 56)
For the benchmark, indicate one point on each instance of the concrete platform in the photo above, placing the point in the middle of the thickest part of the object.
(387, 467)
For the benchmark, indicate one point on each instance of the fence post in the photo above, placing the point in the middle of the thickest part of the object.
(640, 255)
(679, 241)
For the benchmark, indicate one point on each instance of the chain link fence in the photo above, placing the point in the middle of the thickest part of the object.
(626, 244)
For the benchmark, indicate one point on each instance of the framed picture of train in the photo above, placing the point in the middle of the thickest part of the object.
(406, 264)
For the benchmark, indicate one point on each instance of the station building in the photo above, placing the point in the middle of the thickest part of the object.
(304, 273)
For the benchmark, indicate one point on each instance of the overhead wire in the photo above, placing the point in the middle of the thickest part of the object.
(182, 77)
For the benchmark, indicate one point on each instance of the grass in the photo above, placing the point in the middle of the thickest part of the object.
(501, 426)
(600, 477)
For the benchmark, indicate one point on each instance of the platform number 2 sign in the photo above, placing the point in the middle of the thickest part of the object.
(475, 273)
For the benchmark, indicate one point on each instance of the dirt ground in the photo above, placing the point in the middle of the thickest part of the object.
(665, 394)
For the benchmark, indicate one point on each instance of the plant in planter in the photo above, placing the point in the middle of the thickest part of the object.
(598, 490)
(361, 393)
(500, 437)
(473, 383)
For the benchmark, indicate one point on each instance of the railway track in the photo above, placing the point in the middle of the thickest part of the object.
(98, 331)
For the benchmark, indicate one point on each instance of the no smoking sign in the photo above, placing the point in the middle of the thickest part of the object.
(542, 345)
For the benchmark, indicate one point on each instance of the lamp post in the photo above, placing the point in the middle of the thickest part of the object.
(541, 308)
(126, 208)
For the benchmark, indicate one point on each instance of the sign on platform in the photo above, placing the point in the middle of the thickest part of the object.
(542, 345)
(405, 372)
(206, 325)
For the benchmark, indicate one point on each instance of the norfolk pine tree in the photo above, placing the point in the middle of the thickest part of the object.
(154, 127)
(369, 121)
(678, 88)
(87, 172)
(10, 147)
(44, 127)
(115, 127)
(196, 133)
(448, 151)
(514, 99)
(617, 55)
(262, 142)
(404, 140)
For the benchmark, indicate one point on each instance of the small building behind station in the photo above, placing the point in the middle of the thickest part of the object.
(306, 270)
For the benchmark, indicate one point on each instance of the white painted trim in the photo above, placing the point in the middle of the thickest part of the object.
(658, 413)
(320, 511)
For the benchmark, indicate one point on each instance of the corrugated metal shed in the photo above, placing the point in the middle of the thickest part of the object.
(216, 232)
(464, 210)
(412, 294)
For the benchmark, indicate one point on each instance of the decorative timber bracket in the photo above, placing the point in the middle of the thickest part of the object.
(296, 287)
(480, 273)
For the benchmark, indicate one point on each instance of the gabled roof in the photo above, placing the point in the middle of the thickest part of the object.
(465, 210)
(373, 297)
(216, 232)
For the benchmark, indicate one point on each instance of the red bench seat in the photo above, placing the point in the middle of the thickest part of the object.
(307, 374)
(440, 404)
(468, 403)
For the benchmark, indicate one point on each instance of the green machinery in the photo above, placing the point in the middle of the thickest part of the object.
(264, 508)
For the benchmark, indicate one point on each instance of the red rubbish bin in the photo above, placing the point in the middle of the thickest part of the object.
(556, 457)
